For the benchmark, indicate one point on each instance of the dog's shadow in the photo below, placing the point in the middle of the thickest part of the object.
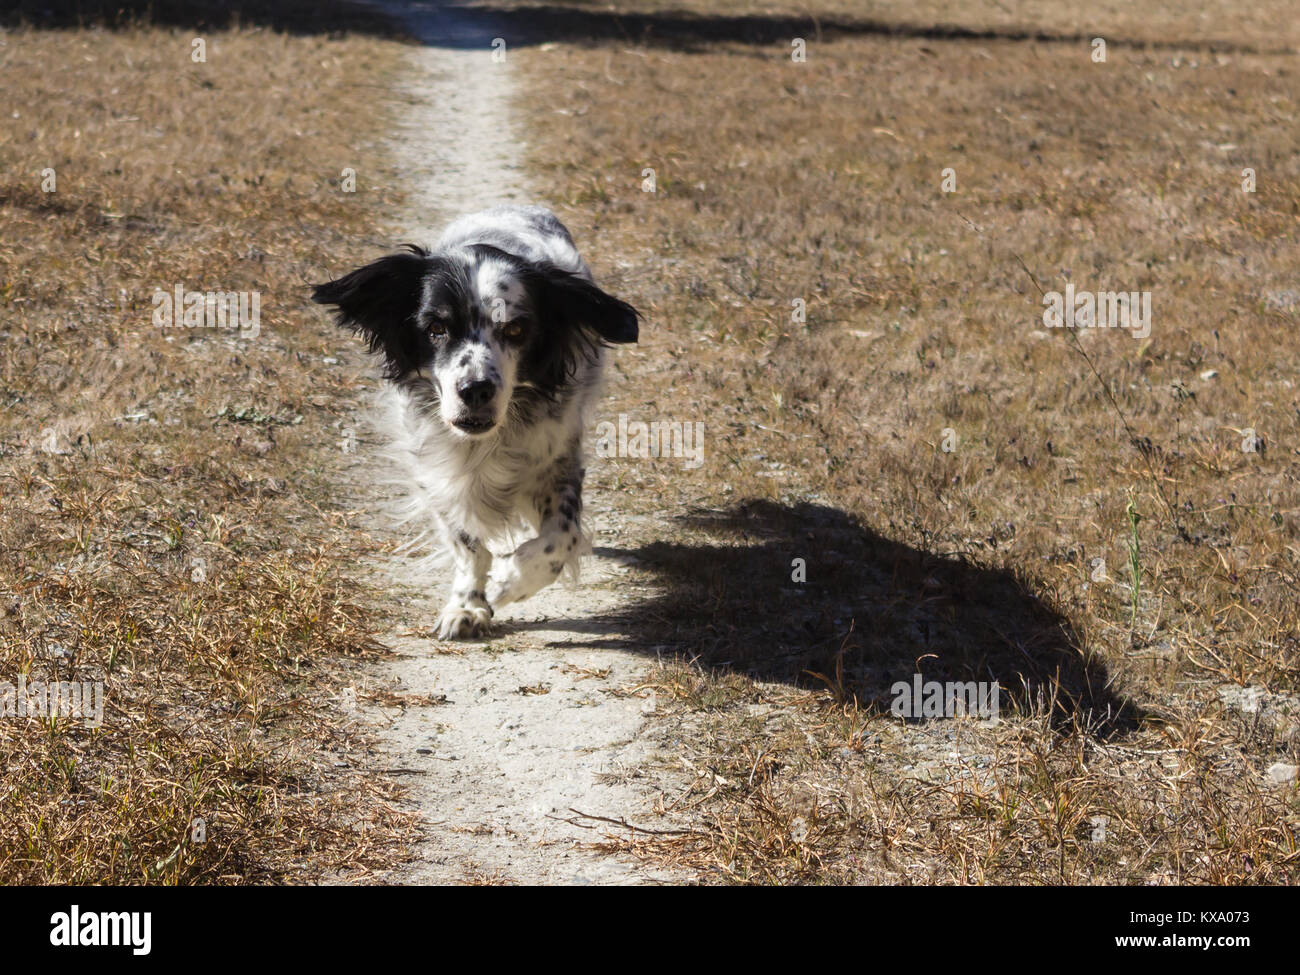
(870, 612)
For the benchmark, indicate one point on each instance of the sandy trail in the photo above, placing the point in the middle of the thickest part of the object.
(532, 727)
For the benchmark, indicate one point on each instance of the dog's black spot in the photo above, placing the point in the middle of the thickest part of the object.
(549, 548)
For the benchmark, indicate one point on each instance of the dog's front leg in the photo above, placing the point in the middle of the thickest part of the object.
(467, 612)
(539, 561)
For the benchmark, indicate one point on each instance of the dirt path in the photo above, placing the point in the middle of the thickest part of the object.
(531, 727)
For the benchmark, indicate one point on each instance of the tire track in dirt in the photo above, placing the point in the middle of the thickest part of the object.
(532, 726)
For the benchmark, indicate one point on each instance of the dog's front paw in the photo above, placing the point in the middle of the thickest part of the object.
(507, 589)
(533, 566)
(470, 619)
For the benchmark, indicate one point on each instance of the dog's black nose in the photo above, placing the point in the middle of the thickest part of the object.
(477, 392)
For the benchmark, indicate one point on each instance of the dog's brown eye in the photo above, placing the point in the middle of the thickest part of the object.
(513, 330)
(439, 319)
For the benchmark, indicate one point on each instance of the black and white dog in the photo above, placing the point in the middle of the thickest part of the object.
(493, 346)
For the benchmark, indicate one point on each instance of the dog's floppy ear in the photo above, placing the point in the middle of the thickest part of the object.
(576, 301)
(380, 302)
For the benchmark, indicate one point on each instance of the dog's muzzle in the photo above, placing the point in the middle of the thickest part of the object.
(477, 396)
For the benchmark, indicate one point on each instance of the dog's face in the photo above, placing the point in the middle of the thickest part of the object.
(480, 326)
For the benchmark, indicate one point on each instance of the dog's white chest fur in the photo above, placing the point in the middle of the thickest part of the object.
(488, 488)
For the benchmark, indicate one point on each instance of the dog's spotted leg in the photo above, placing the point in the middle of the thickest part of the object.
(467, 612)
(539, 561)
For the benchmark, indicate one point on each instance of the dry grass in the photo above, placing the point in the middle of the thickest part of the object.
(153, 481)
(1266, 25)
(1007, 558)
